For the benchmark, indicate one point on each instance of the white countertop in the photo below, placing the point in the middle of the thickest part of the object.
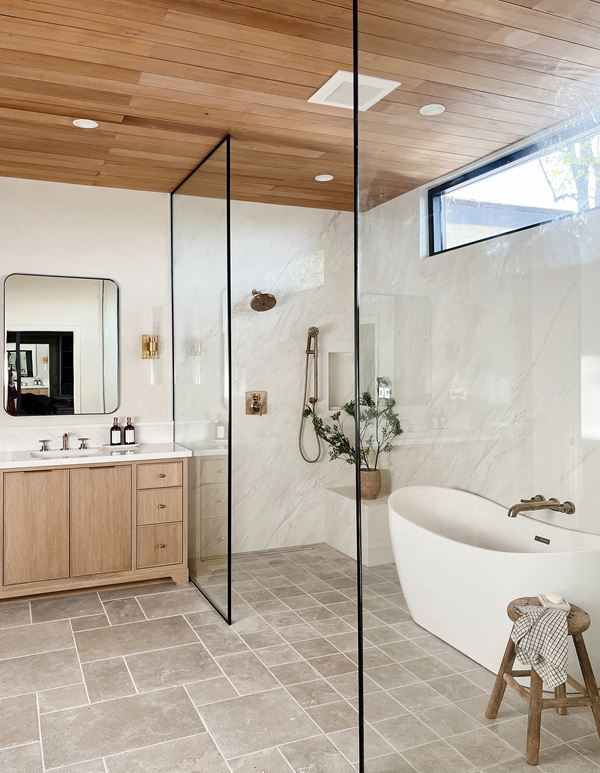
(207, 447)
(147, 451)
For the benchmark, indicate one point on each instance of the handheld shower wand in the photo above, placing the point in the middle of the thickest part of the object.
(312, 352)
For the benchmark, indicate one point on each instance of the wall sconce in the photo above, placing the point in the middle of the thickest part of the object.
(150, 349)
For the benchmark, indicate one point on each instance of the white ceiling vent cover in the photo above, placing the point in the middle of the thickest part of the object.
(337, 92)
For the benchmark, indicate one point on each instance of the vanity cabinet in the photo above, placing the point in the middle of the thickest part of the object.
(36, 526)
(213, 507)
(100, 506)
(93, 524)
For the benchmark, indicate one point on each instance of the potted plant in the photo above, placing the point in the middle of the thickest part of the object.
(379, 426)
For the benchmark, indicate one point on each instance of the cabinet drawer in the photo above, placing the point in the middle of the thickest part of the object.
(213, 537)
(159, 545)
(214, 500)
(214, 470)
(159, 506)
(161, 475)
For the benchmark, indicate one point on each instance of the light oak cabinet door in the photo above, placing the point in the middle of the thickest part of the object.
(101, 520)
(36, 526)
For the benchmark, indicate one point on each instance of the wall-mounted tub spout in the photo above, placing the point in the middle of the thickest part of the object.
(312, 356)
(539, 502)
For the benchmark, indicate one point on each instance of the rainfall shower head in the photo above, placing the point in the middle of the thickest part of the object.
(262, 301)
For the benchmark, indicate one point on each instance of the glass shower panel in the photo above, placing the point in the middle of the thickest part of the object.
(201, 266)
(478, 225)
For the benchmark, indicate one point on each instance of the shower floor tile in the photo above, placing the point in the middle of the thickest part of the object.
(153, 679)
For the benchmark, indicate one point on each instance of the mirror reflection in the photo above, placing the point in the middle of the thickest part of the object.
(61, 352)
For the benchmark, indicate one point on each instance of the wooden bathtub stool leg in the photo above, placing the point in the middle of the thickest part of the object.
(499, 688)
(560, 692)
(534, 719)
(588, 678)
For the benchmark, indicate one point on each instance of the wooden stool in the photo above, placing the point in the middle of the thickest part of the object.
(578, 621)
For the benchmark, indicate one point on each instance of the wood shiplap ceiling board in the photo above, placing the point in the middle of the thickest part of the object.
(167, 79)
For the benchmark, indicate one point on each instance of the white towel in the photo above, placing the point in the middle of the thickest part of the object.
(541, 640)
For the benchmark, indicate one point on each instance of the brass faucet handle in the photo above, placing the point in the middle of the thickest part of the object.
(43, 445)
(536, 498)
(83, 443)
(568, 507)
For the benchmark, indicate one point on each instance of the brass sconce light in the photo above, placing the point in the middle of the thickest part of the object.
(150, 350)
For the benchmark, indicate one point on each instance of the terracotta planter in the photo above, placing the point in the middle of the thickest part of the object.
(370, 484)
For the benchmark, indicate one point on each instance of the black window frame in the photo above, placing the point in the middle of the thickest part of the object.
(435, 194)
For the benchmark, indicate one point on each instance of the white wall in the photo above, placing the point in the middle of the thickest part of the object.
(501, 344)
(54, 228)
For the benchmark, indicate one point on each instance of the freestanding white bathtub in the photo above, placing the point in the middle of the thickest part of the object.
(460, 560)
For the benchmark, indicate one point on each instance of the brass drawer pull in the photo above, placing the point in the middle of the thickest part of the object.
(161, 507)
(220, 501)
(221, 472)
(161, 475)
(161, 545)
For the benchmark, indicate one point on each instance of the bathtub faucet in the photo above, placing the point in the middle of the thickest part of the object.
(539, 502)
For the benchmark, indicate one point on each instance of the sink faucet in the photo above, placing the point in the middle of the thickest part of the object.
(65, 445)
(539, 502)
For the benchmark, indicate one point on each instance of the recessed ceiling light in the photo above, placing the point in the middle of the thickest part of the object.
(85, 123)
(433, 109)
(324, 178)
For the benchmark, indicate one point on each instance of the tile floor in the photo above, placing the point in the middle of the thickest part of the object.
(149, 678)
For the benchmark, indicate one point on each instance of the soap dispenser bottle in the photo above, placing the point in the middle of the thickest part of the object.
(115, 433)
(220, 429)
(129, 433)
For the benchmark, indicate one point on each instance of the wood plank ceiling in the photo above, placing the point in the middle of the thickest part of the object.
(166, 79)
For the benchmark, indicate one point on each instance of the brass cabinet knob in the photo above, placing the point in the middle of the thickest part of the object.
(161, 545)
(161, 475)
(162, 507)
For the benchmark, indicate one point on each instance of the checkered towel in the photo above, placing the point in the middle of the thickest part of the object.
(541, 640)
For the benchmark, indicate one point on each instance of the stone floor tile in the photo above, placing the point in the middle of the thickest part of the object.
(220, 640)
(344, 642)
(39, 672)
(107, 679)
(270, 761)
(294, 673)
(14, 613)
(589, 746)
(405, 732)
(261, 639)
(116, 726)
(173, 603)
(418, 696)
(314, 614)
(247, 673)
(33, 639)
(569, 727)
(347, 742)
(276, 656)
(428, 668)
(436, 757)
(88, 622)
(142, 589)
(330, 627)
(383, 635)
(256, 722)
(455, 687)
(63, 607)
(482, 747)
(313, 693)
(514, 732)
(400, 651)
(315, 648)
(332, 717)
(197, 753)
(282, 619)
(211, 691)
(171, 667)
(208, 617)
(317, 755)
(297, 633)
(347, 684)
(132, 638)
(389, 763)
(123, 611)
(512, 707)
(62, 698)
(448, 720)
(564, 759)
(19, 723)
(90, 766)
(379, 706)
(21, 759)
(333, 665)
(392, 676)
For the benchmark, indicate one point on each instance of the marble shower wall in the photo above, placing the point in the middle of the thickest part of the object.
(494, 354)
(304, 257)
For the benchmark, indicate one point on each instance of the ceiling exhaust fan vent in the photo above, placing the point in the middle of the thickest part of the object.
(338, 91)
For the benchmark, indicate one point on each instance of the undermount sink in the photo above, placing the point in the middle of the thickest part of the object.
(71, 453)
